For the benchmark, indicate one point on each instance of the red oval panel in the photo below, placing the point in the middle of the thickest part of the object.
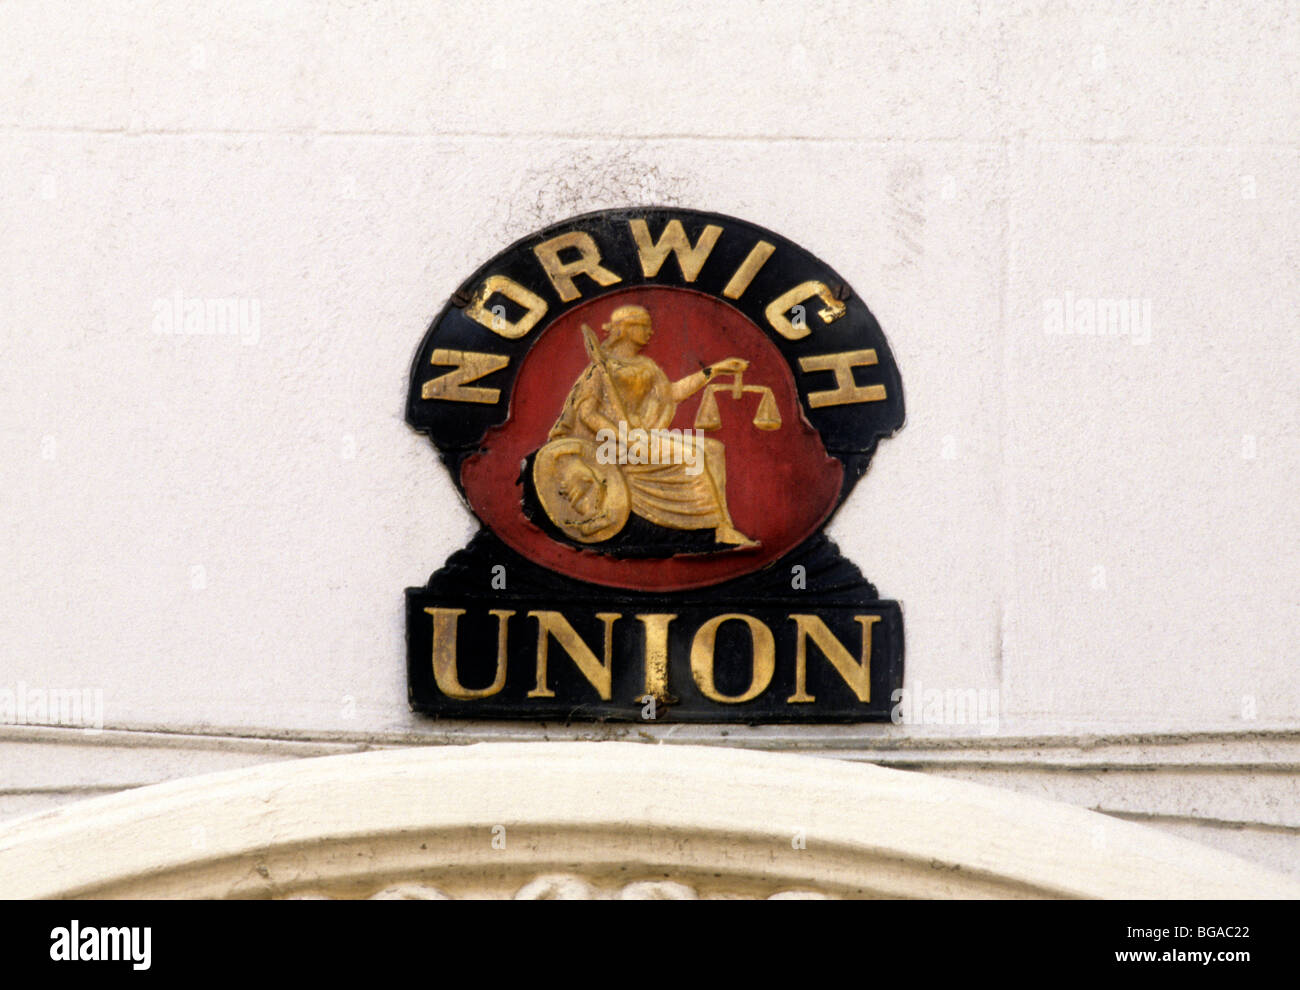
(781, 484)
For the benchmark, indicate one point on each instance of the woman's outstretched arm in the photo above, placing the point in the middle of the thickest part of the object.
(686, 387)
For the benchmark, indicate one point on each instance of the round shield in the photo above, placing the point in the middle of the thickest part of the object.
(586, 499)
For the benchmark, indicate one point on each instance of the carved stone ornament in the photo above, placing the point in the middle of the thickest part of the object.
(598, 820)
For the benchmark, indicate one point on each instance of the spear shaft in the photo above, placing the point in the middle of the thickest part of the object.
(598, 359)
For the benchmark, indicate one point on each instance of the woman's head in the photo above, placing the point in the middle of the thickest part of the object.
(630, 323)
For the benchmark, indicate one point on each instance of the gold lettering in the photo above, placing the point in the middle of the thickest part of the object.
(561, 273)
(444, 654)
(856, 675)
(762, 648)
(478, 311)
(755, 260)
(554, 624)
(470, 367)
(673, 241)
(845, 391)
(656, 654)
(783, 303)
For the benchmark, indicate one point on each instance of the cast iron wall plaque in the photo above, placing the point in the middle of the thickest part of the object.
(653, 413)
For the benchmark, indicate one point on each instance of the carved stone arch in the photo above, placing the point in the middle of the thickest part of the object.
(561, 820)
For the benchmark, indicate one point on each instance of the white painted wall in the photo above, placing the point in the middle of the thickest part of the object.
(215, 531)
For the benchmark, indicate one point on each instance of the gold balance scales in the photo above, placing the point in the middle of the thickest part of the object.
(766, 417)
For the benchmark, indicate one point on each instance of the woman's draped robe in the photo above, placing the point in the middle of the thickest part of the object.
(674, 492)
